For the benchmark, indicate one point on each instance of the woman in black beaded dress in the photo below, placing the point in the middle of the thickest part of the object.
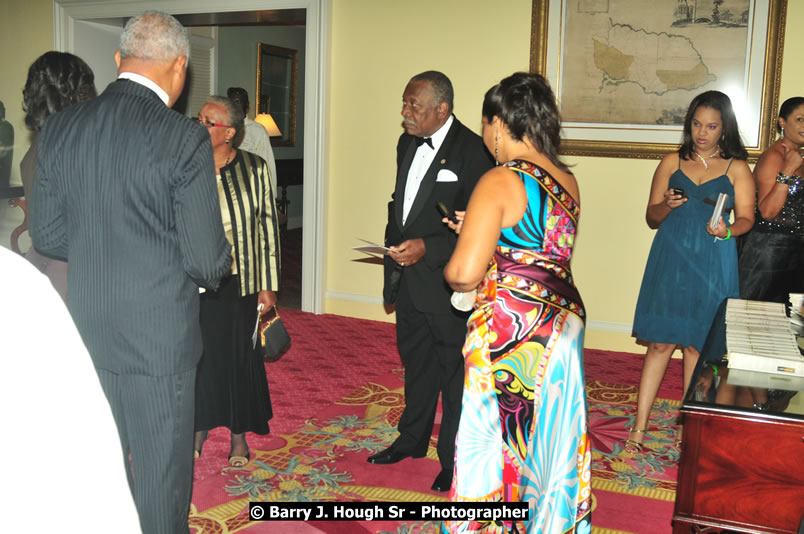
(771, 262)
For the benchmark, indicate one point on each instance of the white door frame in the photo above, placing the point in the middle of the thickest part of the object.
(66, 12)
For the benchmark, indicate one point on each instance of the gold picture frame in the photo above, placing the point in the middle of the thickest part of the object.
(277, 73)
(761, 74)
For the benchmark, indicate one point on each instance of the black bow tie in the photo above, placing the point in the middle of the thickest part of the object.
(424, 140)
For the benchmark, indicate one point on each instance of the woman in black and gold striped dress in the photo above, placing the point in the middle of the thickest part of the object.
(231, 385)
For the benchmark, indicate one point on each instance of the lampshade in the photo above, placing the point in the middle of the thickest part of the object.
(269, 124)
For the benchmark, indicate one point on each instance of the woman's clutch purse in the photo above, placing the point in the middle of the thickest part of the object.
(274, 337)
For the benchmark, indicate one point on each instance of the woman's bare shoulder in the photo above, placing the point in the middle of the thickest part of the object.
(773, 155)
(738, 167)
(673, 158)
(570, 184)
(496, 178)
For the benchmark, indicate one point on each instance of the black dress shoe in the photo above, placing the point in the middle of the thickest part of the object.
(443, 481)
(391, 456)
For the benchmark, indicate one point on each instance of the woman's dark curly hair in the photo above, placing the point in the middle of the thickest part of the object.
(527, 107)
(55, 81)
(731, 146)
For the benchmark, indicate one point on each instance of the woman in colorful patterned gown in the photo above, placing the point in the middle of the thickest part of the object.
(523, 431)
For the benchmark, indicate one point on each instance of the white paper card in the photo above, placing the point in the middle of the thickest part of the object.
(372, 248)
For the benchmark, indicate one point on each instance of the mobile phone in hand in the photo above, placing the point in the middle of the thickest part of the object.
(679, 191)
(442, 209)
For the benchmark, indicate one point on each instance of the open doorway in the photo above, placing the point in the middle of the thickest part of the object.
(262, 53)
(230, 36)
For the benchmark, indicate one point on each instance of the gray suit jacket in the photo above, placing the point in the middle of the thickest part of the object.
(125, 191)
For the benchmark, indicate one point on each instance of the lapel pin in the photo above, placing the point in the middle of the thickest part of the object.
(443, 161)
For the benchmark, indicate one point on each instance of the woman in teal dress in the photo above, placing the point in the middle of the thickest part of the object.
(692, 267)
(522, 435)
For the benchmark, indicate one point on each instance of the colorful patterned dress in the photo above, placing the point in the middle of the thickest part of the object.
(523, 434)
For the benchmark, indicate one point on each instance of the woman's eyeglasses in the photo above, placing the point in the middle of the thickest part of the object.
(210, 124)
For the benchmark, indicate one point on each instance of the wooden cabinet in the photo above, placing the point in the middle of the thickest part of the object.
(741, 470)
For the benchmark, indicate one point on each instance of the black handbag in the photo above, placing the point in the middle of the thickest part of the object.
(274, 337)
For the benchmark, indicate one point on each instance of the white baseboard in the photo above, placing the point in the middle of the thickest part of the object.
(354, 297)
(606, 326)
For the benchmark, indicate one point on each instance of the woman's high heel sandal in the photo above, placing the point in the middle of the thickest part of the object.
(633, 446)
(238, 460)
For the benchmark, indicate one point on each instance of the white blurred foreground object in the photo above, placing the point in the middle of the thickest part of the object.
(463, 301)
(53, 403)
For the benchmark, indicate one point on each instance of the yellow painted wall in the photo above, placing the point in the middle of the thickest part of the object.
(374, 48)
(26, 32)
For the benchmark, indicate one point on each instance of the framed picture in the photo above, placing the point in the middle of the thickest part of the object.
(625, 71)
(277, 70)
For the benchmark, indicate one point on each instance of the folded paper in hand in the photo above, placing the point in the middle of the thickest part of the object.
(372, 248)
(719, 205)
(256, 328)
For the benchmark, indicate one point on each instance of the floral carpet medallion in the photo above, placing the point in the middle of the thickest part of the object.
(325, 460)
(651, 473)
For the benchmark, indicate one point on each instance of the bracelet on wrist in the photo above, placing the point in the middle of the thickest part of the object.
(728, 234)
(782, 178)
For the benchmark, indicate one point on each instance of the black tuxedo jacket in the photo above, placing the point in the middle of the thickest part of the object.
(462, 153)
(125, 191)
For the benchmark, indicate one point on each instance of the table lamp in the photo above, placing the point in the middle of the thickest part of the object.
(269, 124)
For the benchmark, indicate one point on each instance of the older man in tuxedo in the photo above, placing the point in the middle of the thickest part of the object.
(438, 160)
(125, 191)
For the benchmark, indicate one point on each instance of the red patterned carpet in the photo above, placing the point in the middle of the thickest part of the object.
(337, 396)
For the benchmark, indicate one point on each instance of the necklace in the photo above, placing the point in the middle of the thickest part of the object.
(228, 156)
(704, 158)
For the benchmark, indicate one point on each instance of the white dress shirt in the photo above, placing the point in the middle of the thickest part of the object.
(418, 167)
(147, 82)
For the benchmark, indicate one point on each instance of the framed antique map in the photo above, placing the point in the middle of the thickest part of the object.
(625, 71)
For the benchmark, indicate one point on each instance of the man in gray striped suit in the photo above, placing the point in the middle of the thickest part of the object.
(125, 191)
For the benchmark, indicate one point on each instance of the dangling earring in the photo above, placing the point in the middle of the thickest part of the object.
(782, 132)
(227, 141)
(496, 150)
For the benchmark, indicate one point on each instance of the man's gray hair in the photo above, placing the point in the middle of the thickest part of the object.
(154, 36)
